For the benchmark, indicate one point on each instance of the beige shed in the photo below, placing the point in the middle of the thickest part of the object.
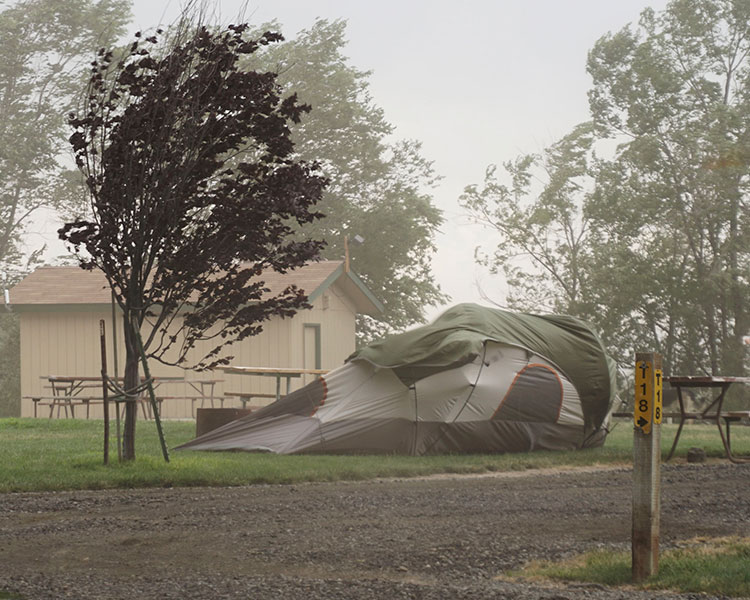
(60, 309)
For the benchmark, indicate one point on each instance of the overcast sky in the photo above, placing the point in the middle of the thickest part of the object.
(477, 82)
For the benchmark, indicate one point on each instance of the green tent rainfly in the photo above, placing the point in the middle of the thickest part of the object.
(475, 380)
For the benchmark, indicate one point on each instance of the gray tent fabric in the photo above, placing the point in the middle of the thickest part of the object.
(475, 380)
(457, 336)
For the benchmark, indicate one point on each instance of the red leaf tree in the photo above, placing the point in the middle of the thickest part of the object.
(195, 191)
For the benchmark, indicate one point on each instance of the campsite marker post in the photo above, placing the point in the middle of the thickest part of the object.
(647, 414)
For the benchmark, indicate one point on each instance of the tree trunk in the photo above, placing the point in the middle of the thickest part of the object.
(131, 381)
(736, 363)
(737, 292)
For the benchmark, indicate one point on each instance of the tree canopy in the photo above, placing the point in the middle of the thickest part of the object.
(44, 46)
(195, 192)
(543, 252)
(676, 91)
(660, 202)
(379, 186)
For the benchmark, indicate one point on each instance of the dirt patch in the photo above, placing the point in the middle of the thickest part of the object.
(530, 472)
(438, 537)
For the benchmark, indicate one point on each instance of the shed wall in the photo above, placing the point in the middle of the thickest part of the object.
(65, 341)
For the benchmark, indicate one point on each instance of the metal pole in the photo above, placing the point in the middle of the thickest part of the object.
(105, 397)
(346, 254)
(114, 355)
(647, 414)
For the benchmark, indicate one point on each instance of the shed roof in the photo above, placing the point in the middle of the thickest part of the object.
(52, 286)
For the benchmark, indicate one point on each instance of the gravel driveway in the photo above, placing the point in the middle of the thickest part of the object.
(433, 538)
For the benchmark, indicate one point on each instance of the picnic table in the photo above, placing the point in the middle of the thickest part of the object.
(205, 392)
(713, 412)
(69, 391)
(278, 372)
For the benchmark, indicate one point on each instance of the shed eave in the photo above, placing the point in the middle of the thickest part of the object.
(364, 300)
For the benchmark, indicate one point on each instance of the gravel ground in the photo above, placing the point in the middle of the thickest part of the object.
(434, 538)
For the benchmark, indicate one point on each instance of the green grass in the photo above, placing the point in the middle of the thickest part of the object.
(42, 454)
(715, 566)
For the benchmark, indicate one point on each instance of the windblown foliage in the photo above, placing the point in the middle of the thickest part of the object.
(660, 253)
(380, 188)
(194, 190)
(44, 46)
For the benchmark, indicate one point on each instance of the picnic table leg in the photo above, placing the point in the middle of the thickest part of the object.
(727, 444)
(36, 402)
(211, 392)
(146, 410)
(726, 440)
(729, 439)
(679, 429)
(212, 387)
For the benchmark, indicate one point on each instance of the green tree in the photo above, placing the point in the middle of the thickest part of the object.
(188, 162)
(44, 47)
(649, 240)
(10, 358)
(537, 210)
(675, 92)
(378, 188)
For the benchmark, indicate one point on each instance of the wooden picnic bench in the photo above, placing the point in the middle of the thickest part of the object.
(70, 402)
(246, 397)
(204, 391)
(278, 373)
(193, 400)
(717, 415)
(64, 403)
(713, 413)
(69, 391)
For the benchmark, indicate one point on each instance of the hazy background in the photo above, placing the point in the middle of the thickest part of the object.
(477, 82)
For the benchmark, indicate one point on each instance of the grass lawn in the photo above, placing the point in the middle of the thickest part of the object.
(714, 566)
(43, 454)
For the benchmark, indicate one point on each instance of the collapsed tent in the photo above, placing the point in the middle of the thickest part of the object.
(475, 380)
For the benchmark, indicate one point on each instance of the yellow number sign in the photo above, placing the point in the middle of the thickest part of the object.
(644, 394)
(657, 396)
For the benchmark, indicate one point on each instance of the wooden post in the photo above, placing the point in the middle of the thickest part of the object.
(105, 397)
(647, 415)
